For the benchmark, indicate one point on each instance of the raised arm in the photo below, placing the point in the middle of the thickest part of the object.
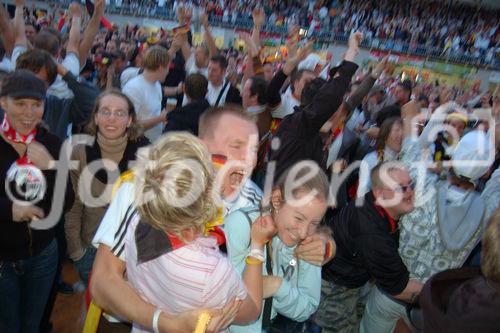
(91, 31)
(85, 96)
(19, 26)
(293, 60)
(258, 21)
(364, 88)
(253, 53)
(330, 96)
(76, 26)
(180, 42)
(209, 38)
(6, 32)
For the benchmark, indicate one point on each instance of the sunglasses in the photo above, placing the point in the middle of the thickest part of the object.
(403, 188)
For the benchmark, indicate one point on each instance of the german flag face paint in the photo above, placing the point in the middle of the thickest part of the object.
(219, 160)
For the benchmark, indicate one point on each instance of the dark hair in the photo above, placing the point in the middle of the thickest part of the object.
(258, 87)
(406, 85)
(310, 90)
(209, 118)
(134, 131)
(422, 97)
(35, 60)
(196, 86)
(385, 130)
(132, 54)
(386, 113)
(296, 76)
(47, 41)
(118, 54)
(221, 60)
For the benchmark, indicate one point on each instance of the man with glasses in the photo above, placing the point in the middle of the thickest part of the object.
(367, 239)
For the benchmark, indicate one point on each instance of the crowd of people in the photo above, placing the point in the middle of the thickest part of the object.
(442, 29)
(199, 188)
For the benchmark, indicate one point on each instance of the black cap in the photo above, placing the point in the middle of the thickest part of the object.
(23, 84)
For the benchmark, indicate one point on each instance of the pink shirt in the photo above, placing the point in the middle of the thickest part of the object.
(194, 276)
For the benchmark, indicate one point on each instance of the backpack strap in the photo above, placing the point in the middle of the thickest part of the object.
(224, 88)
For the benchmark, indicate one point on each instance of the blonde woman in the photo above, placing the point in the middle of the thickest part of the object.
(117, 137)
(171, 261)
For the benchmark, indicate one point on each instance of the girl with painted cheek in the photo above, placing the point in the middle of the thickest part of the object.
(292, 286)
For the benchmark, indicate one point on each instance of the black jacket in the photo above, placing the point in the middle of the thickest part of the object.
(17, 240)
(233, 96)
(348, 152)
(186, 118)
(299, 132)
(366, 248)
(59, 113)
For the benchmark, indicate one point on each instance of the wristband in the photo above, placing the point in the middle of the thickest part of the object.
(253, 261)
(257, 254)
(203, 320)
(154, 324)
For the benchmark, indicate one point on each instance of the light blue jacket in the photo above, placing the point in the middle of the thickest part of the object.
(298, 297)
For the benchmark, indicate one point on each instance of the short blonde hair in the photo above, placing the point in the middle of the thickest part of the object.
(173, 184)
(154, 57)
(490, 249)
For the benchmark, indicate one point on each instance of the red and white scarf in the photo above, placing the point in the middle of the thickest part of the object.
(23, 171)
(11, 134)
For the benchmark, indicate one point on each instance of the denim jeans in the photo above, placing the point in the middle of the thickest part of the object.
(84, 264)
(381, 313)
(24, 290)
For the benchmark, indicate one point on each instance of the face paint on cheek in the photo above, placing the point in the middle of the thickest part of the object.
(219, 160)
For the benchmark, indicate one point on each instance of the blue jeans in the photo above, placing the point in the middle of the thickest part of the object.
(84, 264)
(24, 290)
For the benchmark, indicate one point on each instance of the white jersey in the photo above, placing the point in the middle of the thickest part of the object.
(122, 211)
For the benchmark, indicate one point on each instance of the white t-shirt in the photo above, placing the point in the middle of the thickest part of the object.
(213, 93)
(59, 88)
(146, 98)
(191, 67)
(128, 74)
(288, 103)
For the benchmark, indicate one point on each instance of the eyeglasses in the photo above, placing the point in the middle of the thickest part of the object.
(107, 113)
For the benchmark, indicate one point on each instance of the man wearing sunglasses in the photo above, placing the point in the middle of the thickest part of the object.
(367, 238)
